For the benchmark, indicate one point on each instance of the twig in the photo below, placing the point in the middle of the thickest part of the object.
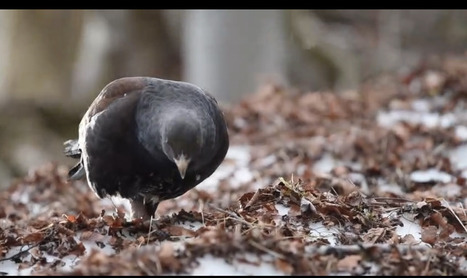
(201, 208)
(400, 199)
(150, 228)
(20, 253)
(446, 204)
(352, 249)
(267, 250)
(29, 248)
(427, 266)
(143, 267)
(231, 214)
(253, 199)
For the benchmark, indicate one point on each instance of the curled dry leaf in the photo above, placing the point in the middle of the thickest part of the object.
(349, 262)
(284, 266)
(430, 235)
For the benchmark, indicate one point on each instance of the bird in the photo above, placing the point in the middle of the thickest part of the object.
(148, 139)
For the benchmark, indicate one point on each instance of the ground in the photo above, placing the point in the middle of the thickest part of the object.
(368, 181)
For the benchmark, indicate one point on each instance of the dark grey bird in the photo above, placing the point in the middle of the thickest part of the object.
(148, 140)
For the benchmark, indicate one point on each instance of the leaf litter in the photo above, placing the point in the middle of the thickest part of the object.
(382, 170)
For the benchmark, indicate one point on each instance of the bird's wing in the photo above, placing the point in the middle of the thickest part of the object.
(106, 135)
(123, 87)
(115, 90)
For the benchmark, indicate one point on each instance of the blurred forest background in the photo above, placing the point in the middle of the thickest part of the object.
(54, 62)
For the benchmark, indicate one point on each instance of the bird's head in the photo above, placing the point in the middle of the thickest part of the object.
(182, 142)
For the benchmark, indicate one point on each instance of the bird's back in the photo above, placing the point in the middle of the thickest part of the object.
(121, 134)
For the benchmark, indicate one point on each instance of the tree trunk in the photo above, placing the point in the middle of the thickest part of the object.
(230, 53)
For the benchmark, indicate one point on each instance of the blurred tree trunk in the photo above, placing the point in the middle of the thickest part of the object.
(230, 53)
(54, 62)
(39, 48)
(131, 43)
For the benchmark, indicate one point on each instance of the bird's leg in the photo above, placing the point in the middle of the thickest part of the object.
(138, 209)
(146, 209)
(143, 208)
(151, 208)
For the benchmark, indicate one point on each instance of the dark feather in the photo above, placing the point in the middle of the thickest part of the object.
(77, 172)
(72, 148)
(134, 131)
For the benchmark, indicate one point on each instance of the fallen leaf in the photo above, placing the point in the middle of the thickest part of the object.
(284, 266)
(349, 262)
(430, 235)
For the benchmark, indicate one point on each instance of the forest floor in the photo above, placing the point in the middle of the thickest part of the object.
(364, 182)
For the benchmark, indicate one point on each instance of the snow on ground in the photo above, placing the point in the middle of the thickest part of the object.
(235, 164)
(236, 168)
(250, 264)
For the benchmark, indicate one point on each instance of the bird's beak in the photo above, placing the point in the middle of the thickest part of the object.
(182, 164)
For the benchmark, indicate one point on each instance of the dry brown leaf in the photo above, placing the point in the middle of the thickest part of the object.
(374, 235)
(284, 266)
(409, 239)
(32, 238)
(430, 234)
(167, 257)
(349, 262)
(180, 231)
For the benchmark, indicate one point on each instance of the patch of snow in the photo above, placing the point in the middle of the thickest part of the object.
(91, 244)
(235, 164)
(210, 184)
(458, 157)
(325, 164)
(267, 161)
(421, 105)
(260, 265)
(430, 120)
(359, 179)
(393, 188)
(240, 154)
(11, 268)
(260, 183)
(194, 226)
(242, 175)
(301, 169)
(461, 132)
(410, 227)
(449, 190)
(355, 166)
(281, 209)
(431, 175)
(318, 230)
(20, 197)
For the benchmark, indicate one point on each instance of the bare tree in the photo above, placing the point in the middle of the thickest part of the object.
(231, 52)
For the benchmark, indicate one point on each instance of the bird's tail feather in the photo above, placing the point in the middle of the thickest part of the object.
(72, 148)
(77, 172)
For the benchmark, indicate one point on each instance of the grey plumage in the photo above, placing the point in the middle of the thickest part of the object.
(148, 139)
